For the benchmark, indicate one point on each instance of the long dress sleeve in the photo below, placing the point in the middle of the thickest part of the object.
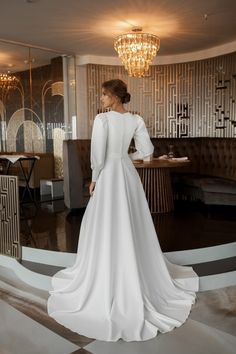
(98, 145)
(142, 141)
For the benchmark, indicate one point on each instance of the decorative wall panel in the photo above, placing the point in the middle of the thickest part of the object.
(180, 100)
(29, 110)
(9, 217)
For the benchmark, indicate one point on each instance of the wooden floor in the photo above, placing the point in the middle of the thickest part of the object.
(51, 226)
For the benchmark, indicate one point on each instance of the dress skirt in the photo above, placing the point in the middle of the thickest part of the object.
(121, 285)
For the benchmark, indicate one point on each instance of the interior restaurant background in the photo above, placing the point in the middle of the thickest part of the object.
(60, 99)
(195, 99)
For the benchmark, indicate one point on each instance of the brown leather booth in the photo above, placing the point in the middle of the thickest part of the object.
(210, 177)
(77, 172)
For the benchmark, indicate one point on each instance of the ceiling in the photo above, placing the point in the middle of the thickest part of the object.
(88, 27)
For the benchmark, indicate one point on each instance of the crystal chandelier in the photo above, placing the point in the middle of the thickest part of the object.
(7, 81)
(137, 51)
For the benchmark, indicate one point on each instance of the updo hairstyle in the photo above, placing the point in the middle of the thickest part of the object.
(118, 88)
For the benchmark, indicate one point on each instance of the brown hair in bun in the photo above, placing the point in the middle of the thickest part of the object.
(118, 88)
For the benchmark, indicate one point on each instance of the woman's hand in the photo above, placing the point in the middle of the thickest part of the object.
(91, 188)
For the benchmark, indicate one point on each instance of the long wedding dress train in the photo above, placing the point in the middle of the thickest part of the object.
(121, 285)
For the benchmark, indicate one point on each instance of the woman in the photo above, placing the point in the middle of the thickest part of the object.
(120, 286)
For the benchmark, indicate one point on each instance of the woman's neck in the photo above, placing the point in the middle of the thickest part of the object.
(118, 107)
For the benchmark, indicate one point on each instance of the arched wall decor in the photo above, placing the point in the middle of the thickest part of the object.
(38, 97)
(2, 110)
(191, 99)
(57, 88)
(50, 89)
(33, 137)
(46, 87)
(17, 120)
(2, 126)
(58, 137)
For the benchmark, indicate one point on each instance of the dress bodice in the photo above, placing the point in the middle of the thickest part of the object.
(111, 136)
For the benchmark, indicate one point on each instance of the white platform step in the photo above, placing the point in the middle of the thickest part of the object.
(34, 274)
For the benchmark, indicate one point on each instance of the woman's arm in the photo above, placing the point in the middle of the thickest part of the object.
(142, 142)
(98, 148)
(91, 188)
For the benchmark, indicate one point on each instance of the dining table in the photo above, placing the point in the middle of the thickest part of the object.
(156, 180)
(7, 160)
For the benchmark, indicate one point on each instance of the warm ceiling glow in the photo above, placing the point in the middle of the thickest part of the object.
(4, 57)
(165, 24)
(137, 51)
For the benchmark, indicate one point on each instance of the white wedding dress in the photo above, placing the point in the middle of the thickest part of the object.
(121, 285)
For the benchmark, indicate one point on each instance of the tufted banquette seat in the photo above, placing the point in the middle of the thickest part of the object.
(211, 176)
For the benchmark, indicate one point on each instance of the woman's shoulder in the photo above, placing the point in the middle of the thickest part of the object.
(102, 117)
(139, 117)
(136, 117)
(139, 120)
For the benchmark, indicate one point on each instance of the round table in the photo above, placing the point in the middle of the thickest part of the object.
(155, 177)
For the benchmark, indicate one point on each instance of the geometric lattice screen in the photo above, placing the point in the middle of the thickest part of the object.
(9, 217)
(193, 99)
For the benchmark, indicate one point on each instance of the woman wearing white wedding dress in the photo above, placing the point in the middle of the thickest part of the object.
(121, 285)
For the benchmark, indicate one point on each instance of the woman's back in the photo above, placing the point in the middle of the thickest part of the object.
(111, 137)
(121, 129)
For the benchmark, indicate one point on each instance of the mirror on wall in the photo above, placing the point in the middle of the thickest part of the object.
(37, 99)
